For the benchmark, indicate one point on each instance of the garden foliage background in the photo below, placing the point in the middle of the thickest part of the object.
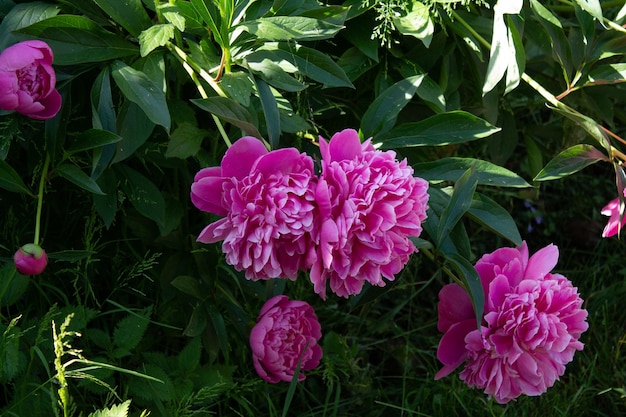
(514, 112)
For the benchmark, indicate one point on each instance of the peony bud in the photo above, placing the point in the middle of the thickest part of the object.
(30, 259)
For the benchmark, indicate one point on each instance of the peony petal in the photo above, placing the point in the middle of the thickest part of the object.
(451, 351)
(240, 157)
(206, 195)
(454, 306)
(280, 160)
(344, 145)
(542, 262)
(51, 106)
(23, 54)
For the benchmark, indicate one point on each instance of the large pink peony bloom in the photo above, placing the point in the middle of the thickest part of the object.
(286, 334)
(369, 205)
(614, 225)
(268, 200)
(27, 80)
(531, 328)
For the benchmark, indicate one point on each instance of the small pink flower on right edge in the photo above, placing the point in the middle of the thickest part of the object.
(614, 225)
(531, 328)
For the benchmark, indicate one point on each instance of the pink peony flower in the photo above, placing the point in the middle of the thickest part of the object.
(614, 225)
(30, 259)
(27, 80)
(286, 334)
(531, 328)
(369, 205)
(268, 200)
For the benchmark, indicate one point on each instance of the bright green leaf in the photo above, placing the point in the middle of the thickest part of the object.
(120, 410)
(290, 28)
(607, 74)
(210, 15)
(570, 161)
(185, 141)
(416, 23)
(276, 75)
(592, 7)
(76, 176)
(155, 36)
(438, 130)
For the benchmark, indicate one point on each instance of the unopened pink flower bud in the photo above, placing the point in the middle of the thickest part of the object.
(30, 259)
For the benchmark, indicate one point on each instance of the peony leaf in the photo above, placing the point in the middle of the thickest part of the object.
(570, 161)
(451, 169)
(211, 16)
(438, 130)
(10, 180)
(607, 74)
(381, 115)
(139, 88)
(290, 28)
(459, 203)
(592, 7)
(493, 216)
(270, 111)
(91, 139)
(77, 40)
(75, 175)
(229, 110)
(23, 15)
(471, 280)
(130, 14)
(155, 36)
(144, 195)
(416, 23)
(185, 141)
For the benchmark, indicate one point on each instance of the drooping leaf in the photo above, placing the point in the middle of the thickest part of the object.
(439, 130)
(473, 284)
(10, 180)
(229, 110)
(311, 63)
(451, 169)
(270, 111)
(102, 117)
(382, 114)
(570, 161)
(139, 89)
(135, 128)
(276, 75)
(77, 40)
(130, 14)
(106, 205)
(76, 176)
(588, 124)
(493, 216)
(416, 23)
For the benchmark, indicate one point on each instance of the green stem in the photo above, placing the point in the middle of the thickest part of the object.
(443, 268)
(471, 30)
(42, 186)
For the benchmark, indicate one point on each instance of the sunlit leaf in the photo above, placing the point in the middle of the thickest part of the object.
(155, 36)
(570, 161)
(283, 28)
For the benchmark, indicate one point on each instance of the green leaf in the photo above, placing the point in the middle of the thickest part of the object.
(102, 117)
(270, 111)
(139, 89)
(276, 75)
(188, 285)
(229, 110)
(71, 255)
(77, 40)
(501, 55)
(135, 128)
(416, 23)
(587, 123)
(438, 130)
(607, 74)
(290, 28)
(130, 14)
(12, 289)
(473, 284)
(197, 323)
(592, 7)
(23, 15)
(91, 139)
(382, 114)
(189, 356)
(493, 216)
(129, 330)
(120, 410)
(210, 15)
(185, 141)
(10, 180)
(570, 161)
(174, 15)
(311, 63)
(155, 36)
(106, 205)
(451, 169)
(76, 176)
(459, 203)
(144, 195)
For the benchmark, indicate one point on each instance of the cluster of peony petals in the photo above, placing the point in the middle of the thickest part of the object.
(27, 80)
(615, 212)
(30, 259)
(285, 335)
(369, 205)
(531, 328)
(348, 226)
(268, 200)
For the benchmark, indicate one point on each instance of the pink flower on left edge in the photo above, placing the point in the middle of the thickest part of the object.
(531, 328)
(267, 199)
(613, 226)
(27, 80)
(369, 204)
(286, 333)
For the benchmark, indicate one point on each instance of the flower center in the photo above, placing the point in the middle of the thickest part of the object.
(31, 80)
